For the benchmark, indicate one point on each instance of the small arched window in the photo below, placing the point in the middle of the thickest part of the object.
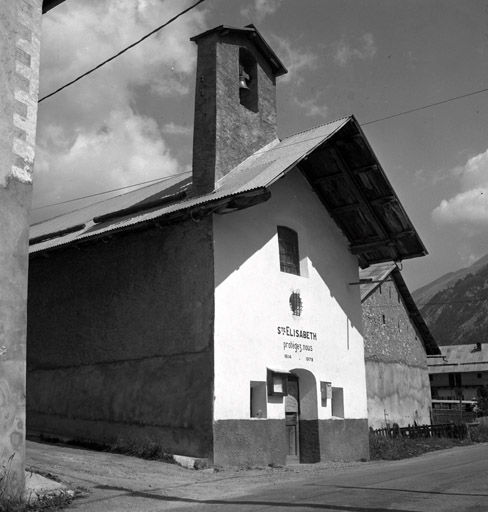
(289, 255)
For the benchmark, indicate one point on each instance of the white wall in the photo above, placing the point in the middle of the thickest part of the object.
(252, 302)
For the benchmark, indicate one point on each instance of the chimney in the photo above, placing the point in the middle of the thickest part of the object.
(235, 101)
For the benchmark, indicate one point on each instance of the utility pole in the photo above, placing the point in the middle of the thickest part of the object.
(20, 35)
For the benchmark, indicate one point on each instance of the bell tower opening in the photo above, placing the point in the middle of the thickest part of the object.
(248, 80)
(235, 101)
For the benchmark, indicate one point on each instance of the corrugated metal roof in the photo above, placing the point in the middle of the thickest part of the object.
(351, 185)
(256, 172)
(389, 271)
(460, 358)
(161, 189)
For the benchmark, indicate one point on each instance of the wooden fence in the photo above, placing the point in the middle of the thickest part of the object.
(442, 416)
(453, 430)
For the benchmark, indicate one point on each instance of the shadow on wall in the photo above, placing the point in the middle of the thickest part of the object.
(321, 244)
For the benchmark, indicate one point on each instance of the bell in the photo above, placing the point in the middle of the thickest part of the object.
(243, 79)
(242, 83)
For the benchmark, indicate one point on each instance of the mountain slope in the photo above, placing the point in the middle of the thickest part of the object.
(454, 305)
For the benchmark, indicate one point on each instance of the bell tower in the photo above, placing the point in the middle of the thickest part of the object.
(235, 101)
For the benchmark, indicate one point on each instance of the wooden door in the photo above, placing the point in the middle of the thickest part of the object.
(292, 413)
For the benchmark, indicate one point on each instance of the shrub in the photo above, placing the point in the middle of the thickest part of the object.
(390, 448)
(142, 448)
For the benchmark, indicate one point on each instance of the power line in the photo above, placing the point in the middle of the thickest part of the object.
(426, 106)
(122, 51)
(270, 149)
(452, 302)
(108, 191)
(419, 304)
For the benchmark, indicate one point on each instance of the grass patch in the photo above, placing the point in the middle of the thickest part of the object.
(41, 503)
(403, 443)
(37, 503)
(141, 448)
(479, 433)
(389, 448)
(144, 449)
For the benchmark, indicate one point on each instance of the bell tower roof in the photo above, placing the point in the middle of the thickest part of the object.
(252, 32)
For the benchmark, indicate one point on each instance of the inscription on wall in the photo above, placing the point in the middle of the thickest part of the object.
(298, 343)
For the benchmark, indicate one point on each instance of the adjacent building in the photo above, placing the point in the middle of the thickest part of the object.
(212, 312)
(397, 342)
(459, 372)
(20, 39)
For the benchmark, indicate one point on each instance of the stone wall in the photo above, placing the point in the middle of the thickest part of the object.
(20, 26)
(396, 363)
(120, 339)
(225, 131)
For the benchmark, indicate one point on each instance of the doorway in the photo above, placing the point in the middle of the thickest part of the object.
(292, 413)
(301, 413)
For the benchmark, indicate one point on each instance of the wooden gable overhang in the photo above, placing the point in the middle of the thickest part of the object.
(353, 187)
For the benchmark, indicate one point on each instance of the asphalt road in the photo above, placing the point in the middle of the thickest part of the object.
(448, 480)
(451, 480)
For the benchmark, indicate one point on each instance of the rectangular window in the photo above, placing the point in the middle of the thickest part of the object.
(258, 399)
(277, 383)
(325, 392)
(338, 402)
(289, 256)
(455, 380)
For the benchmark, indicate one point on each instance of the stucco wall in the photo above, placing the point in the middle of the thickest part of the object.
(120, 339)
(253, 311)
(400, 391)
(396, 363)
(20, 27)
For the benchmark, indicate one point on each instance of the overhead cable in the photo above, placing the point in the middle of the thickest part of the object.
(89, 72)
(108, 191)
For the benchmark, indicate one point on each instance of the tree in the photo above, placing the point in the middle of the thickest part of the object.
(483, 400)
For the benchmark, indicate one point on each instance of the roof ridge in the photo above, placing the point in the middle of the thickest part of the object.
(318, 126)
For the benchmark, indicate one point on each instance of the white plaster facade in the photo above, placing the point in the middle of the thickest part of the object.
(251, 309)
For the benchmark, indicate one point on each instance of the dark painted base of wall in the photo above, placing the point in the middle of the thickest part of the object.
(249, 442)
(309, 441)
(344, 440)
(188, 442)
(263, 442)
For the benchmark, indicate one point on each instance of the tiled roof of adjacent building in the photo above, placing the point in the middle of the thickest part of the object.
(335, 158)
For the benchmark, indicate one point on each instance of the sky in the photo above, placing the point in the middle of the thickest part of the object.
(132, 120)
